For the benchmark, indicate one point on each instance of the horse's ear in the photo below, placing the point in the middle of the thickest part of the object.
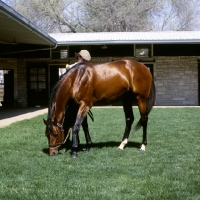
(45, 121)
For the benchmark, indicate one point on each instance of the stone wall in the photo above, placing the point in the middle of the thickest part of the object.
(176, 80)
(20, 76)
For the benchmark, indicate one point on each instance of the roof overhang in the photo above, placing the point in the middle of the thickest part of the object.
(15, 28)
(101, 38)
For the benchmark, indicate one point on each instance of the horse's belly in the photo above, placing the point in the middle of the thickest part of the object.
(109, 94)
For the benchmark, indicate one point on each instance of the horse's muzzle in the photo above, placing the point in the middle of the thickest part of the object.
(53, 152)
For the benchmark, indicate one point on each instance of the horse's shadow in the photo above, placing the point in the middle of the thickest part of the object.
(99, 145)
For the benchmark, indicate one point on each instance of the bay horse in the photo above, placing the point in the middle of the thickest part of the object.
(126, 80)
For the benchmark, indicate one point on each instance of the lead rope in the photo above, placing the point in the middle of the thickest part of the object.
(67, 136)
(60, 126)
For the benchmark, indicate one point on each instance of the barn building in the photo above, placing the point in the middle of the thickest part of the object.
(31, 60)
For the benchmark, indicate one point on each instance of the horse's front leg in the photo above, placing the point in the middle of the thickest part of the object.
(87, 134)
(69, 121)
(82, 112)
(75, 136)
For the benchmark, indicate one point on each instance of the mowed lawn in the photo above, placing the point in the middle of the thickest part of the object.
(169, 169)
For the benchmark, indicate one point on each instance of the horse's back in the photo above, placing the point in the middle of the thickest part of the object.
(125, 72)
(111, 80)
(130, 68)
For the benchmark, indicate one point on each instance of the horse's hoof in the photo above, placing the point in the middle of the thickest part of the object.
(74, 155)
(120, 149)
(143, 148)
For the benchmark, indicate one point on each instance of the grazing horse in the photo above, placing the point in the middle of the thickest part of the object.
(86, 84)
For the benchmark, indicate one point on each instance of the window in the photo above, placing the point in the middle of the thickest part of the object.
(59, 53)
(143, 50)
(37, 78)
(63, 54)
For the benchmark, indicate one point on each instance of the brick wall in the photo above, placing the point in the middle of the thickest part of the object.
(176, 80)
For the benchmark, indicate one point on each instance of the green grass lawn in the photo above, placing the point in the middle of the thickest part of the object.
(169, 169)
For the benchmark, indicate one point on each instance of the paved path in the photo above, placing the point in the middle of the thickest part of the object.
(8, 117)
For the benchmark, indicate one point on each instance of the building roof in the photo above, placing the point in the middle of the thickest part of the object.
(15, 28)
(127, 37)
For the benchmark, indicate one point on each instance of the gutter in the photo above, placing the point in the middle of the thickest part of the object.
(14, 52)
(104, 42)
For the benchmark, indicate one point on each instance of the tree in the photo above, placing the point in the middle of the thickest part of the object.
(178, 15)
(48, 15)
(117, 15)
(110, 15)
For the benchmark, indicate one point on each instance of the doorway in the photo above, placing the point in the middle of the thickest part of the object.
(150, 67)
(7, 88)
(55, 72)
(199, 83)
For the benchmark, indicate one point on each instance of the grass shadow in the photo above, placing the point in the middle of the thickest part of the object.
(99, 145)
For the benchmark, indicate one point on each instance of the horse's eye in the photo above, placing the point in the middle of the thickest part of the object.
(47, 134)
(55, 134)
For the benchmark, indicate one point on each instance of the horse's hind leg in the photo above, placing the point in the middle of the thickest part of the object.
(143, 122)
(127, 105)
(87, 134)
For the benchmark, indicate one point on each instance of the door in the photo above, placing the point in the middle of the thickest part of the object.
(37, 85)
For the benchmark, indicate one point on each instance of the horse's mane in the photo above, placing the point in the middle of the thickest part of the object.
(54, 89)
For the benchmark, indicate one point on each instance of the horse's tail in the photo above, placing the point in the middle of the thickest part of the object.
(91, 115)
(150, 103)
(151, 99)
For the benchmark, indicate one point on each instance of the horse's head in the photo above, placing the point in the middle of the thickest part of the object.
(55, 135)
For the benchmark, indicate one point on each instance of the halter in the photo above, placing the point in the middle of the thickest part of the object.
(54, 146)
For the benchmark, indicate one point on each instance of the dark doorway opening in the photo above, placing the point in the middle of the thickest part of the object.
(55, 72)
(7, 88)
(199, 83)
(150, 66)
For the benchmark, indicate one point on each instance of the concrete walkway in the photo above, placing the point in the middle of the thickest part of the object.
(9, 116)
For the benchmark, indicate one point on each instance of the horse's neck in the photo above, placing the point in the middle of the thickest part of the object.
(59, 110)
(62, 97)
